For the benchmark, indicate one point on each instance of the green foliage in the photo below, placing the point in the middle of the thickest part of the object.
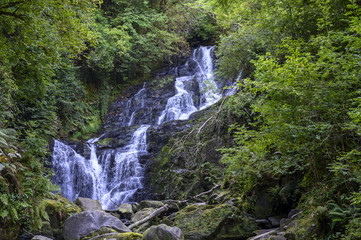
(302, 60)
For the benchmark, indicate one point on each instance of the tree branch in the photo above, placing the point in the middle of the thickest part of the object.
(151, 216)
(201, 194)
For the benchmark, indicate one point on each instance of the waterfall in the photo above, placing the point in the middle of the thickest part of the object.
(114, 175)
(182, 105)
(128, 171)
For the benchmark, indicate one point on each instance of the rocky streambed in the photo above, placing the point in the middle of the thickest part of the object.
(168, 219)
(218, 218)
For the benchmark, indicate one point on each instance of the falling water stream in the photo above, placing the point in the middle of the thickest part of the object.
(113, 176)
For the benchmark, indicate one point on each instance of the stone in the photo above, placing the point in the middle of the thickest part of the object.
(303, 228)
(163, 232)
(39, 237)
(149, 204)
(88, 204)
(275, 221)
(210, 221)
(263, 223)
(284, 222)
(174, 205)
(277, 238)
(119, 236)
(84, 223)
(57, 209)
(142, 214)
(126, 211)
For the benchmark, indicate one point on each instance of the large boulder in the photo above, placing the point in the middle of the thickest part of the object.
(57, 210)
(126, 210)
(119, 236)
(214, 222)
(88, 204)
(39, 237)
(142, 214)
(149, 204)
(163, 232)
(84, 223)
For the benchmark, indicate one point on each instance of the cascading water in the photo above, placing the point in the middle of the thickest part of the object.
(114, 175)
(128, 171)
(182, 105)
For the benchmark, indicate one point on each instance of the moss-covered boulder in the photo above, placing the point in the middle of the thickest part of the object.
(303, 228)
(142, 214)
(56, 210)
(39, 237)
(88, 204)
(309, 226)
(149, 204)
(163, 232)
(126, 210)
(214, 222)
(119, 236)
(86, 223)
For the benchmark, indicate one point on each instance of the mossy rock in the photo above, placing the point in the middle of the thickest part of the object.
(88, 204)
(55, 209)
(126, 210)
(302, 229)
(214, 221)
(104, 142)
(58, 209)
(163, 232)
(119, 236)
(142, 214)
(149, 204)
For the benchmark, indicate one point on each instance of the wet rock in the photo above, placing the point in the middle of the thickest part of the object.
(84, 223)
(149, 204)
(263, 223)
(163, 232)
(39, 237)
(119, 236)
(126, 211)
(284, 222)
(88, 204)
(303, 228)
(277, 238)
(275, 221)
(210, 221)
(58, 210)
(174, 205)
(142, 214)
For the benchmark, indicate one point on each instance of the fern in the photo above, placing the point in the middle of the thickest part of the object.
(4, 213)
(339, 215)
(4, 199)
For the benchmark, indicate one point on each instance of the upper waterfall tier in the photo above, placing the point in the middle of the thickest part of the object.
(198, 72)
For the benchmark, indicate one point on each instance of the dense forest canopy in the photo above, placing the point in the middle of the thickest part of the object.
(62, 62)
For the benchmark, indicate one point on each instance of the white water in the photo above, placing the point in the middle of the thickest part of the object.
(181, 106)
(136, 102)
(67, 163)
(128, 171)
(113, 176)
(92, 173)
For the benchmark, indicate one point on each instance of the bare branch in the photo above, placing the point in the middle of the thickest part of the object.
(151, 216)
